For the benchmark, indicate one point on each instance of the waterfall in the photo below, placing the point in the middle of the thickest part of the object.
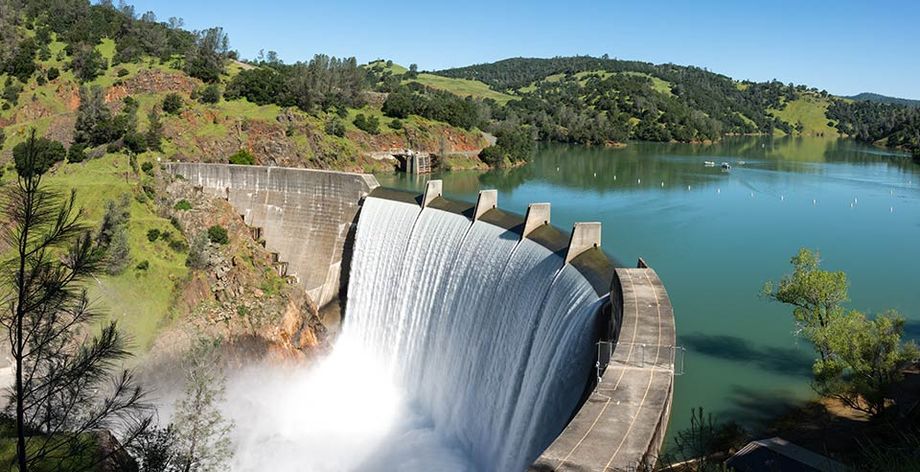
(487, 336)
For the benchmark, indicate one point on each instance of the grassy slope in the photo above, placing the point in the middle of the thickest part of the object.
(811, 111)
(659, 85)
(138, 300)
(461, 87)
(464, 87)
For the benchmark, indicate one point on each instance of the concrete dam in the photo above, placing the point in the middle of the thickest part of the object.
(517, 346)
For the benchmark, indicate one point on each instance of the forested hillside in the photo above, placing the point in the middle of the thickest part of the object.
(101, 79)
(597, 100)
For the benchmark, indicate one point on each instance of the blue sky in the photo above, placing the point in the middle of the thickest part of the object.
(844, 46)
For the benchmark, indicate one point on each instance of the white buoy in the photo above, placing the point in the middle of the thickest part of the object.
(614, 177)
(688, 187)
(752, 194)
(856, 200)
(851, 205)
(638, 181)
(662, 184)
(718, 190)
(782, 198)
(595, 174)
(814, 202)
(891, 210)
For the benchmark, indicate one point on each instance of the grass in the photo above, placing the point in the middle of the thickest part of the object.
(138, 300)
(811, 111)
(243, 108)
(394, 68)
(464, 87)
(659, 85)
(106, 48)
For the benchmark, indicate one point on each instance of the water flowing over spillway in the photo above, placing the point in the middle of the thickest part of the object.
(488, 336)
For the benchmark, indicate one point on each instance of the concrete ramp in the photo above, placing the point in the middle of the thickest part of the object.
(304, 215)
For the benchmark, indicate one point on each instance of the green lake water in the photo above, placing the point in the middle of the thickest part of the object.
(715, 237)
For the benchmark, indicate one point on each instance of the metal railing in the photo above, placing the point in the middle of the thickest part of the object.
(639, 355)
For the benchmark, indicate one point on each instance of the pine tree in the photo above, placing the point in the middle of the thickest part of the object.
(64, 386)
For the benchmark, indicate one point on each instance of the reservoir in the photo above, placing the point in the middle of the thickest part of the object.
(715, 236)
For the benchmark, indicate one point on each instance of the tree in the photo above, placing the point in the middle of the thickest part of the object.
(154, 130)
(815, 294)
(210, 94)
(64, 386)
(859, 359)
(172, 103)
(155, 450)
(76, 153)
(87, 63)
(94, 124)
(206, 59)
(202, 434)
(367, 124)
(112, 237)
(37, 155)
(868, 358)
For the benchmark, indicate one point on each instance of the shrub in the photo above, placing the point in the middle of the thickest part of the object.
(87, 63)
(2, 137)
(335, 127)
(494, 156)
(153, 234)
(183, 205)
(395, 124)
(367, 124)
(172, 103)
(210, 94)
(53, 73)
(122, 72)
(11, 93)
(197, 252)
(135, 142)
(147, 167)
(178, 245)
(112, 148)
(218, 234)
(76, 153)
(143, 265)
(243, 157)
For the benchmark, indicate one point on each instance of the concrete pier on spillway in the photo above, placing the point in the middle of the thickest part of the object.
(308, 218)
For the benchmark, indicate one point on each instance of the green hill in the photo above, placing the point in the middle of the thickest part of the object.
(808, 115)
(877, 98)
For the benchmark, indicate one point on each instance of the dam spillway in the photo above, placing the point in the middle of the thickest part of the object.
(488, 324)
(491, 332)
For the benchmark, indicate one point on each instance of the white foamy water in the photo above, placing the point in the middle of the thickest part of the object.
(463, 348)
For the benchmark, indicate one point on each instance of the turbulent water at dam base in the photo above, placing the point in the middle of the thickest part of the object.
(464, 347)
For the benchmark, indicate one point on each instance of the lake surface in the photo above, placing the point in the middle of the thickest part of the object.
(715, 237)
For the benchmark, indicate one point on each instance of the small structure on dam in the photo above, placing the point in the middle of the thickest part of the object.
(524, 343)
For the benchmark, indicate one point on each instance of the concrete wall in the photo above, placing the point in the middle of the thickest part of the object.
(305, 215)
